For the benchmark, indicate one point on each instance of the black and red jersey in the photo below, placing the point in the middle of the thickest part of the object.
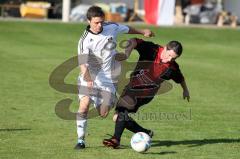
(148, 75)
(150, 70)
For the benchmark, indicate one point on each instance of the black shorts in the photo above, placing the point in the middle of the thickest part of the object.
(141, 102)
(136, 101)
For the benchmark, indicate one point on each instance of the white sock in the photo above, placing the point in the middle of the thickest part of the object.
(81, 125)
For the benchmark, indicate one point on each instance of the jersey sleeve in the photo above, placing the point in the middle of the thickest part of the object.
(176, 74)
(145, 45)
(82, 45)
(83, 51)
(122, 28)
(146, 49)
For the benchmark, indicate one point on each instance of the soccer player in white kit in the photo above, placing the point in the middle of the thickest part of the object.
(98, 78)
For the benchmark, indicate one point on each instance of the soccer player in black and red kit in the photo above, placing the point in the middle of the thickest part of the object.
(156, 64)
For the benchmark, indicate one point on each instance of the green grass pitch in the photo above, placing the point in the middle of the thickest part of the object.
(206, 128)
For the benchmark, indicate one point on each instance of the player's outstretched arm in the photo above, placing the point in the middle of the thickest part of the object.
(144, 32)
(186, 94)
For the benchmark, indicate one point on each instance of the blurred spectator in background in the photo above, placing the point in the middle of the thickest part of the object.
(202, 11)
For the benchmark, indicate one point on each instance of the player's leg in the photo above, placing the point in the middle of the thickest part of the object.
(115, 117)
(132, 125)
(103, 110)
(125, 102)
(114, 142)
(106, 104)
(82, 121)
(108, 98)
(123, 120)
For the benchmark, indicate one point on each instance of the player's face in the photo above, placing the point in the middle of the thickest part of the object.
(168, 55)
(96, 24)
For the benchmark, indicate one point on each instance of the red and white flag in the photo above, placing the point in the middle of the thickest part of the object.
(159, 12)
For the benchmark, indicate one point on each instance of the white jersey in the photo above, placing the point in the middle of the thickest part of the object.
(100, 51)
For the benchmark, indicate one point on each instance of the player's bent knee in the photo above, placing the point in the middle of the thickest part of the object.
(103, 111)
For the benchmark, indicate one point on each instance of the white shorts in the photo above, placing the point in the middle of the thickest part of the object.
(101, 94)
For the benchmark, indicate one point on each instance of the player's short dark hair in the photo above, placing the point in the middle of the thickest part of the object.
(176, 46)
(95, 11)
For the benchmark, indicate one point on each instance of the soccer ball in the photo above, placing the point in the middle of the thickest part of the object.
(140, 142)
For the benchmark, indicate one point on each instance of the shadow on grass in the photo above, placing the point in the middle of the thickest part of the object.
(162, 153)
(3, 130)
(122, 147)
(193, 143)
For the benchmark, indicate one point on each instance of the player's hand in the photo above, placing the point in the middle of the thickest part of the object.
(148, 33)
(120, 57)
(186, 95)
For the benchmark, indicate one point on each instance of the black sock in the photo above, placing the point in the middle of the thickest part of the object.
(120, 124)
(134, 127)
(124, 121)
